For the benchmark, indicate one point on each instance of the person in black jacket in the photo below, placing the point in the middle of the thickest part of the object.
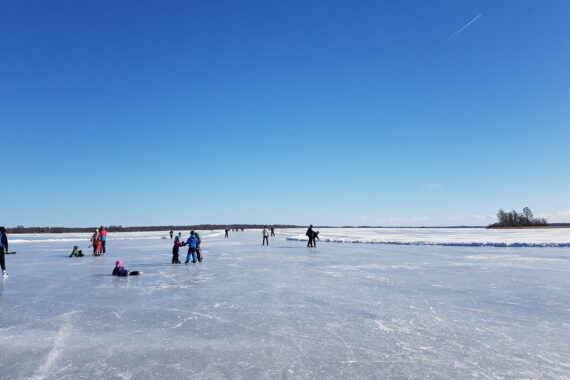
(198, 250)
(3, 249)
(310, 234)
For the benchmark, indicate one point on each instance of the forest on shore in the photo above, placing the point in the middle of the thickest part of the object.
(112, 228)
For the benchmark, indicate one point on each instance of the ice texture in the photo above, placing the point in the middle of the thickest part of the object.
(531, 237)
(337, 311)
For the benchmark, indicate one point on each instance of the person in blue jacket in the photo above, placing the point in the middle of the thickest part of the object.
(192, 244)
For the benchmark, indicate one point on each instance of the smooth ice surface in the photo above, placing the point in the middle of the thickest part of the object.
(347, 311)
(531, 237)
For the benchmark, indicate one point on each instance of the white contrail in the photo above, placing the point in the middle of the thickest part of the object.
(464, 27)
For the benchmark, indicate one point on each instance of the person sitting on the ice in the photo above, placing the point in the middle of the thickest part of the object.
(122, 272)
(76, 252)
(175, 249)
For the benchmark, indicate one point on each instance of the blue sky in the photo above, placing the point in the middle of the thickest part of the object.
(336, 112)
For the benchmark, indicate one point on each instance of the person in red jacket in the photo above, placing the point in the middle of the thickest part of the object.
(103, 236)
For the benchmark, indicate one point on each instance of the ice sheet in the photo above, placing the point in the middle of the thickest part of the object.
(342, 311)
(535, 237)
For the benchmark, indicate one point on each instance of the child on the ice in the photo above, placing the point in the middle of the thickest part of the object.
(122, 272)
(76, 252)
(98, 244)
(175, 249)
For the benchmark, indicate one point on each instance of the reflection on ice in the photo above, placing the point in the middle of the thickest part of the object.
(284, 311)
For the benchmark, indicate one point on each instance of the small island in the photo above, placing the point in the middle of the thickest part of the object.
(514, 219)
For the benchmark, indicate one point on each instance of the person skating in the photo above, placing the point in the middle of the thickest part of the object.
(227, 230)
(171, 233)
(309, 234)
(76, 252)
(272, 232)
(3, 250)
(198, 250)
(192, 243)
(265, 236)
(122, 272)
(103, 234)
(175, 250)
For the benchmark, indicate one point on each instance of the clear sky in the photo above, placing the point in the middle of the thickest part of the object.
(324, 112)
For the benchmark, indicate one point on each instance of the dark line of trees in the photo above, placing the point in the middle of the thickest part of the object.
(514, 219)
(56, 230)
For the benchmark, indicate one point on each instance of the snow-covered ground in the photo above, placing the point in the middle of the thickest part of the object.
(535, 237)
(338, 311)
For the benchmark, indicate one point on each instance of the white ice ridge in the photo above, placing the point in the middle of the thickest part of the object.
(463, 237)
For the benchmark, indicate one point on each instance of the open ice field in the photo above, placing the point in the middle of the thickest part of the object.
(338, 311)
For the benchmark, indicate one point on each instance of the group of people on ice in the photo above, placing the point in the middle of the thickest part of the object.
(313, 237)
(194, 250)
(266, 235)
(98, 241)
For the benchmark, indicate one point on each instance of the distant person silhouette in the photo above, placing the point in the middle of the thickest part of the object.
(265, 236)
(310, 235)
(171, 234)
(272, 232)
(3, 249)
(227, 232)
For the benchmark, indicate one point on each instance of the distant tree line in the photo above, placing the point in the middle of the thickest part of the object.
(514, 219)
(57, 230)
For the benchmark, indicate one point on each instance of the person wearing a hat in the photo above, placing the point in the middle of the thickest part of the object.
(122, 272)
(76, 252)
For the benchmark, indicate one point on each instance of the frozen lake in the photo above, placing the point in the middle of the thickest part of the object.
(338, 311)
